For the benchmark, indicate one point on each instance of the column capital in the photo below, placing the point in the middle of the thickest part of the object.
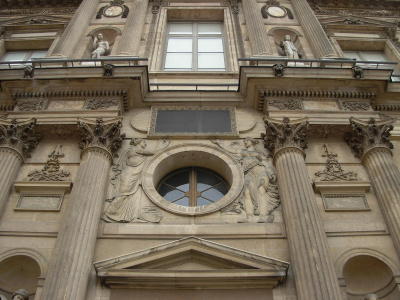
(19, 136)
(285, 134)
(100, 135)
(369, 135)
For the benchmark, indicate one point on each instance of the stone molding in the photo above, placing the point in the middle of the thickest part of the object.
(20, 136)
(41, 260)
(342, 186)
(100, 135)
(369, 135)
(285, 134)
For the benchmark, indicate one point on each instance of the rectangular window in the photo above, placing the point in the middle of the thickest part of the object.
(25, 55)
(195, 46)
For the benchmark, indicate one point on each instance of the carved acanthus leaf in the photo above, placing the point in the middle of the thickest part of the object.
(50, 172)
(31, 105)
(285, 133)
(368, 135)
(293, 104)
(101, 134)
(355, 106)
(94, 104)
(21, 136)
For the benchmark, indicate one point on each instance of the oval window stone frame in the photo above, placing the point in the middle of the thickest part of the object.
(196, 155)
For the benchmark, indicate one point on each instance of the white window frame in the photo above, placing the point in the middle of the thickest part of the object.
(195, 37)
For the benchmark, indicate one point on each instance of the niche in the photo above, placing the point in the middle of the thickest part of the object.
(278, 35)
(109, 35)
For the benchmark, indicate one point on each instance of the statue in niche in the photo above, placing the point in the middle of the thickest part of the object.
(20, 294)
(289, 48)
(260, 197)
(125, 192)
(100, 46)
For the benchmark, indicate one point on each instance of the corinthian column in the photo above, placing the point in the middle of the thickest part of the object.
(132, 33)
(370, 141)
(309, 251)
(72, 35)
(258, 36)
(16, 140)
(316, 36)
(69, 269)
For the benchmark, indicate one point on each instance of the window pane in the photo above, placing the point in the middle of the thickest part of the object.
(211, 61)
(215, 194)
(374, 56)
(38, 54)
(179, 180)
(205, 28)
(211, 45)
(201, 201)
(170, 193)
(180, 28)
(14, 56)
(178, 61)
(183, 202)
(351, 54)
(179, 45)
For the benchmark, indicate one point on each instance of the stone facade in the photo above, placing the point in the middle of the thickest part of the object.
(199, 149)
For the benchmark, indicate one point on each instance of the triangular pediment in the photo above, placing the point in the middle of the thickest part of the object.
(193, 263)
(352, 21)
(36, 20)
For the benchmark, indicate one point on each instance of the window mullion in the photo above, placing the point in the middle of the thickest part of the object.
(192, 187)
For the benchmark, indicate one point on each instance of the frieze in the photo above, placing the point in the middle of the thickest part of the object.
(50, 172)
(355, 106)
(58, 131)
(95, 104)
(40, 11)
(291, 104)
(32, 105)
(327, 131)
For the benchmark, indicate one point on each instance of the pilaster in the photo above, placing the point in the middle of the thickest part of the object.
(70, 266)
(370, 141)
(258, 36)
(72, 35)
(310, 255)
(132, 33)
(16, 141)
(315, 34)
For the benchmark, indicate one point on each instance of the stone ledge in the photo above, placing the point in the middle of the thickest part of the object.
(342, 186)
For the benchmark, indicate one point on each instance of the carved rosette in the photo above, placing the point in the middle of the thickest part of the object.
(366, 136)
(20, 136)
(285, 134)
(101, 134)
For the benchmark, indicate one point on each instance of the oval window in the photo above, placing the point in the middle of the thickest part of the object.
(193, 186)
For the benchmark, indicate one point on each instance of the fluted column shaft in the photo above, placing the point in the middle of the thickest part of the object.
(316, 36)
(72, 35)
(385, 177)
(256, 29)
(71, 263)
(133, 28)
(310, 256)
(10, 163)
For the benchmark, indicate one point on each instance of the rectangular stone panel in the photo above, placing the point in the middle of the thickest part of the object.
(39, 202)
(351, 202)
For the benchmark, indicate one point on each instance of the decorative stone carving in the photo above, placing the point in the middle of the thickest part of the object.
(20, 294)
(278, 70)
(125, 191)
(357, 72)
(116, 8)
(108, 70)
(289, 48)
(234, 7)
(37, 11)
(101, 134)
(293, 104)
(95, 104)
(333, 170)
(50, 172)
(286, 133)
(29, 71)
(100, 47)
(327, 131)
(274, 9)
(368, 135)
(21, 136)
(31, 105)
(259, 181)
(355, 106)
(156, 6)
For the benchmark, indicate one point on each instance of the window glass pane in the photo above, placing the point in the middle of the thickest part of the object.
(178, 61)
(179, 180)
(14, 56)
(179, 45)
(206, 180)
(215, 194)
(206, 28)
(351, 54)
(211, 61)
(211, 45)
(170, 193)
(201, 201)
(38, 54)
(183, 202)
(374, 56)
(180, 28)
